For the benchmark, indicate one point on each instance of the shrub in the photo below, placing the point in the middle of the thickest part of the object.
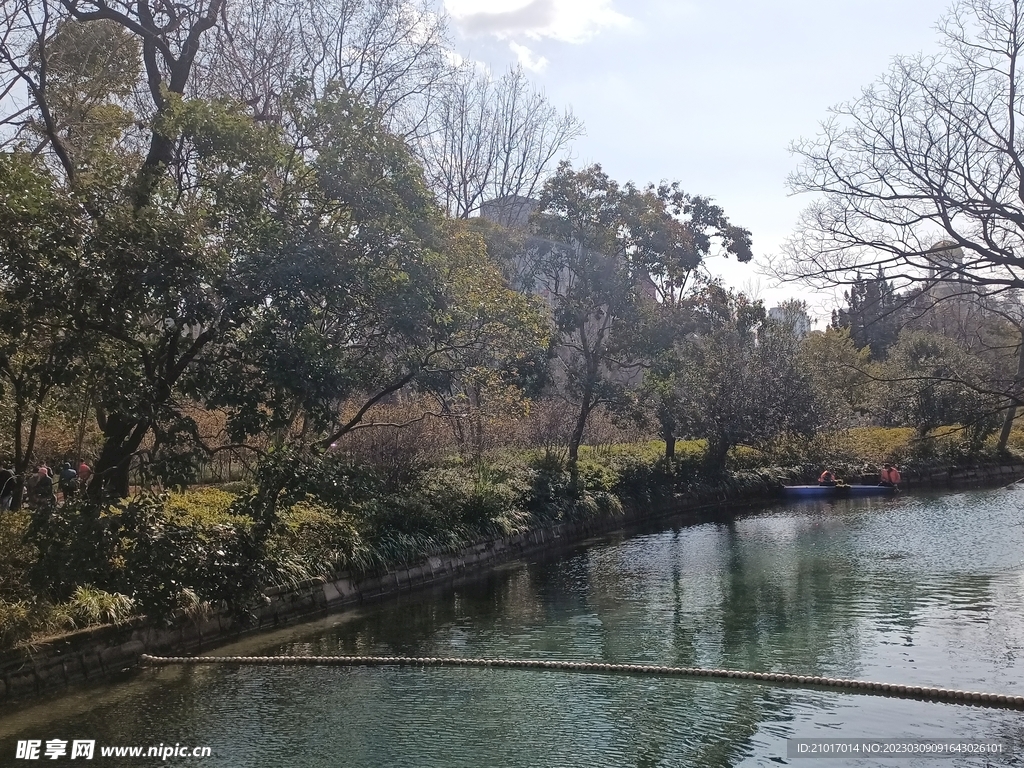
(597, 476)
(89, 606)
(202, 506)
(17, 622)
(16, 556)
(324, 539)
(140, 549)
(880, 444)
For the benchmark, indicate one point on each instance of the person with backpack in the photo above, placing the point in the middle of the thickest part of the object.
(68, 482)
(42, 488)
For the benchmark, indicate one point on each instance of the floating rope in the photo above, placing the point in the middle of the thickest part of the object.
(804, 681)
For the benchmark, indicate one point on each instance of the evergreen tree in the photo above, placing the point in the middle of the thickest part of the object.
(873, 315)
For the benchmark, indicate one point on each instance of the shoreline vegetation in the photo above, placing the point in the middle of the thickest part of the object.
(165, 559)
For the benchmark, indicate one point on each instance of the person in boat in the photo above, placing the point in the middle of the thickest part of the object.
(827, 477)
(890, 476)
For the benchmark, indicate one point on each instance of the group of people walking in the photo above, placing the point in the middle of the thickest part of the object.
(889, 476)
(41, 487)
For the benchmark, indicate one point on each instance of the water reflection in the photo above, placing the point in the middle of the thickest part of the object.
(912, 590)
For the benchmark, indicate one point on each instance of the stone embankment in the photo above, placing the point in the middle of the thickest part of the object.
(110, 650)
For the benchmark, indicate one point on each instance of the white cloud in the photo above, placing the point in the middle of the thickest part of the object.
(569, 21)
(454, 58)
(527, 58)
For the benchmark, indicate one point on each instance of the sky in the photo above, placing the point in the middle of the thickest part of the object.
(707, 92)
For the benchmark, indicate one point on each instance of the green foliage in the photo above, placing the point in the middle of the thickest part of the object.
(23, 621)
(323, 539)
(597, 476)
(930, 381)
(879, 444)
(873, 317)
(203, 506)
(18, 622)
(18, 556)
(740, 380)
(89, 606)
(840, 376)
(606, 248)
(140, 549)
(91, 70)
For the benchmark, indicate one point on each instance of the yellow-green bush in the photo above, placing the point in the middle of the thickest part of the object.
(879, 444)
(17, 622)
(203, 506)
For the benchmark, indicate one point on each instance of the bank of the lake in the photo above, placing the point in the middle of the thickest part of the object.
(924, 589)
(109, 651)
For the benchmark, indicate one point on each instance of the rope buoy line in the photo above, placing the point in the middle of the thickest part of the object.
(804, 681)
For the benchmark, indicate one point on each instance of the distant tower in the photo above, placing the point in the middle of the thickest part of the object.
(946, 260)
(510, 211)
(792, 315)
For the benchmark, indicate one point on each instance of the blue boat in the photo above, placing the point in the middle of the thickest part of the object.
(837, 491)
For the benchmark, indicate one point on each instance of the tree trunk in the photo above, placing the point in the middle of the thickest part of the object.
(1004, 434)
(1011, 412)
(111, 475)
(23, 455)
(80, 435)
(574, 443)
(668, 433)
(714, 459)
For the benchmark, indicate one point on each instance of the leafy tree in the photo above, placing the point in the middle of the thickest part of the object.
(495, 348)
(841, 376)
(89, 72)
(674, 235)
(743, 383)
(583, 269)
(39, 248)
(367, 290)
(273, 270)
(607, 252)
(930, 382)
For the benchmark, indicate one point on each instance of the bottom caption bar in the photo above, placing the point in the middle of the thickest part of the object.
(897, 748)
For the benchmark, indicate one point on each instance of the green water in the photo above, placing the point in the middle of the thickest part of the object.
(915, 590)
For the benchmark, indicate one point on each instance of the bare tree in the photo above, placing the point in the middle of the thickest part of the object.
(254, 56)
(391, 54)
(926, 160)
(493, 140)
(459, 149)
